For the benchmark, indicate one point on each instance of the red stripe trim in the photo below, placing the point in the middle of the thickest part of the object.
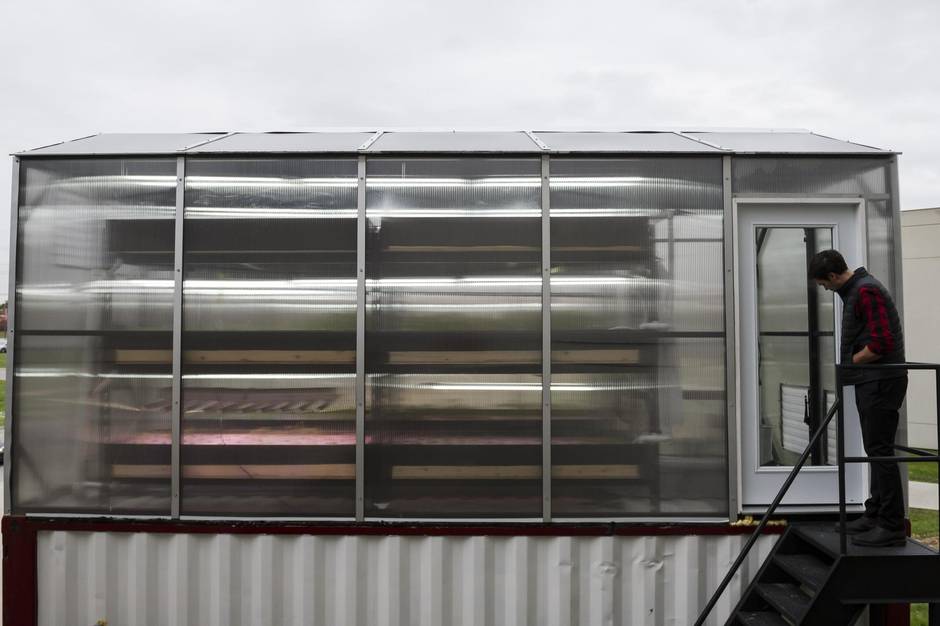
(20, 587)
(381, 528)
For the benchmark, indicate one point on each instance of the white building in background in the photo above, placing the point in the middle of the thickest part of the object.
(920, 237)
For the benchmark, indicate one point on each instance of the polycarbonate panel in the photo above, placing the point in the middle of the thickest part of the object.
(92, 426)
(811, 175)
(269, 337)
(94, 320)
(865, 177)
(167, 579)
(516, 141)
(621, 142)
(286, 142)
(882, 243)
(453, 338)
(781, 142)
(96, 245)
(638, 403)
(117, 144)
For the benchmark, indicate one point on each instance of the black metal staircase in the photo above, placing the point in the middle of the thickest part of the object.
(814, 577)
(805, 579)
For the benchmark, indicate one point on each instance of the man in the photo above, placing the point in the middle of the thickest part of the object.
(871, 333)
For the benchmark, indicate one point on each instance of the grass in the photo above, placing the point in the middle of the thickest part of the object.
(925, 525)
(923, 472)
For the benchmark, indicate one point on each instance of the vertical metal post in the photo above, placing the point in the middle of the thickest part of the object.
(176, 417)
(840, 452)
(936, 373)
(898, 292)
(814, 392)
(9, 448)
(731, 405)
(546, 342)
(360, 339)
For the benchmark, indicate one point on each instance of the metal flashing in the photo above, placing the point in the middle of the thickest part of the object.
(371, 140)
(202, 143)
(535, 138)
(653, 141)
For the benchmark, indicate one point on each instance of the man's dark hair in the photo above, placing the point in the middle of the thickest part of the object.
(826, 262)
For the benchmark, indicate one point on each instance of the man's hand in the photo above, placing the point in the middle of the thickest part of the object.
(865, 356)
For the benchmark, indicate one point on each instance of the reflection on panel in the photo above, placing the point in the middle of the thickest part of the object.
(96, 244)
(881, 242)
(453, 340)
(823, 175)
(637, 316)
(94, 266)
(92, 427)
(269, 310)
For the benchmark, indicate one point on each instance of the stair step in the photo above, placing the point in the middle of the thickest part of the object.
(760, 618)
(786, 598)
(806, 568)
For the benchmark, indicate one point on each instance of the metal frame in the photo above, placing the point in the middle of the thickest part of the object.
(176, 417)
(546, 342)
(371, 140)
(731, 360)
(200, 144)
(862, 234)
(730, 339)
(894, 198)
(360, 338)
(11, 341)
(536, 140)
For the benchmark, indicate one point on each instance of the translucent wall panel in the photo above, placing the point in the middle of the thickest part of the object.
(453, 340)
(866, 177)
(638, 408)
(269, 337)
(96, 245)
(94, 320)
(882, 242)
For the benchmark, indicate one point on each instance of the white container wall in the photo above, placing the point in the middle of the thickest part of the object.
(215, 579)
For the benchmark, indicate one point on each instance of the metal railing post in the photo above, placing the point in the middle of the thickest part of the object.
(840, 453)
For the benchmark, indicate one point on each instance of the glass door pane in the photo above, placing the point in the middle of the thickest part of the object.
(795, 345)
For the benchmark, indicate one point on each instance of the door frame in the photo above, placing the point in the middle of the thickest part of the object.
(856, 202)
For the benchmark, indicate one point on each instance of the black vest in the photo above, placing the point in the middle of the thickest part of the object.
(855, 333)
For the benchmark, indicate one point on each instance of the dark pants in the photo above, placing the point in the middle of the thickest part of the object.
(878, 403)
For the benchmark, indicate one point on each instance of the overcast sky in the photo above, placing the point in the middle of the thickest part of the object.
(861, 70)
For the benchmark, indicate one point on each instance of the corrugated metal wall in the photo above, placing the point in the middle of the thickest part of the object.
(180, 580)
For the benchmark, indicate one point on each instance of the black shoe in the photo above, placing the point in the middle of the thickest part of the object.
(856, 526)
(879, 537)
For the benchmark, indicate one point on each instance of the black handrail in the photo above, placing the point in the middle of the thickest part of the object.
(922, 456)
(770, 510)
(837, 408)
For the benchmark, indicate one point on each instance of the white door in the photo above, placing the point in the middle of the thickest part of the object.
(788, 338)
